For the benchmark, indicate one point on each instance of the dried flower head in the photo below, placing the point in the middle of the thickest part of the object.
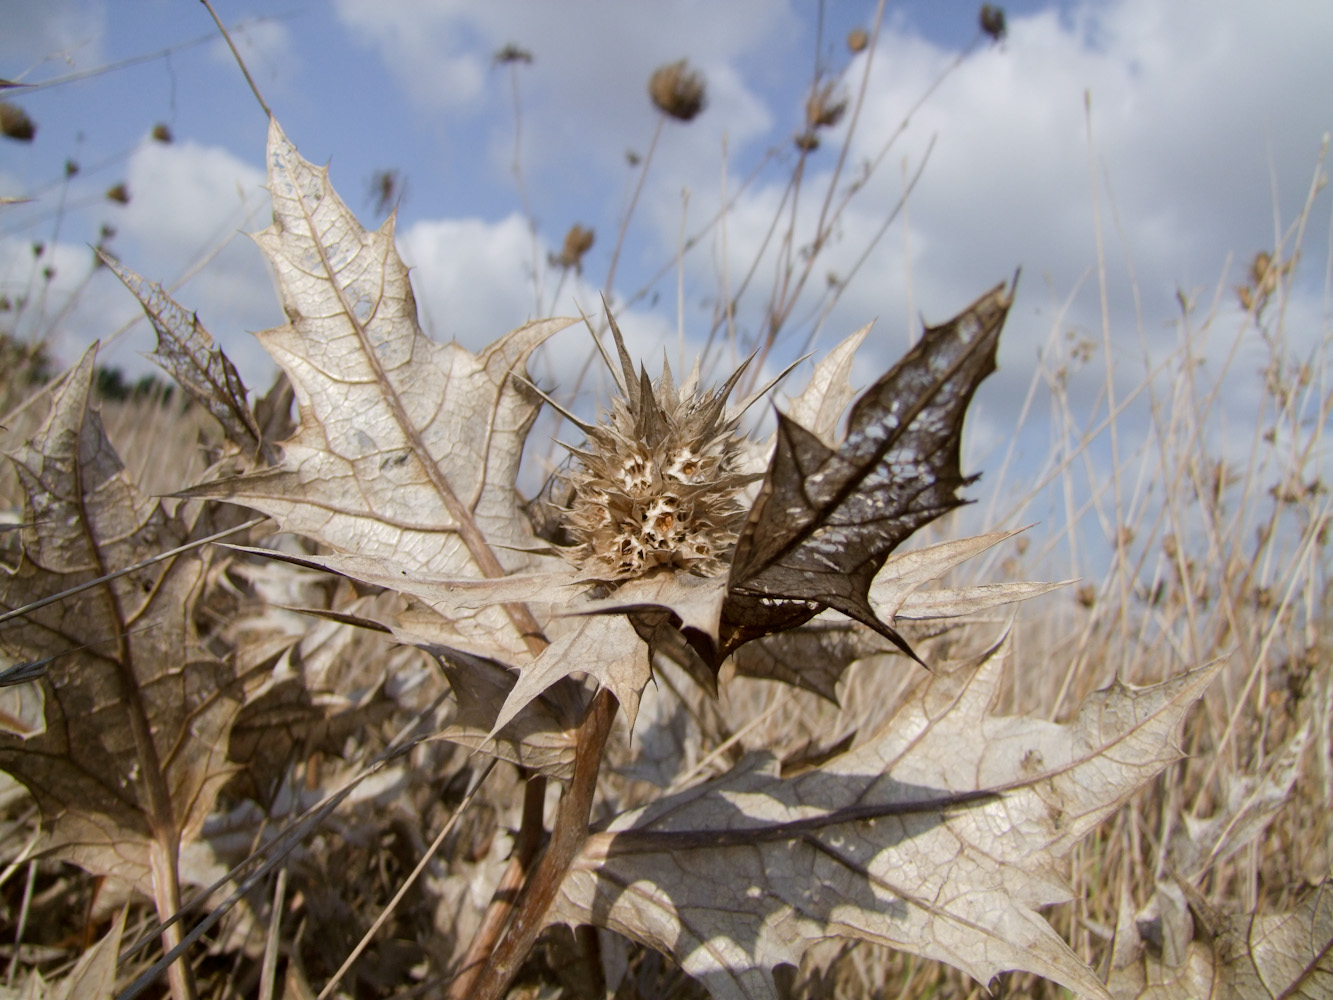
(511, 54)
(658, 480)
(677, 91)
(857, 40)
(823, 108)
(161, 133)
(578, 241)
(118, 193)
(991, 19)
(15, 123)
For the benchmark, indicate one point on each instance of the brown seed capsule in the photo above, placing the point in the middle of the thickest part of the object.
(161, 132)
(992, 22)
(15, 123)
(857, 40)
(578, 241)
(118, 193)
(807, 141)
(677, 91)
(511, 53)
(823, 109)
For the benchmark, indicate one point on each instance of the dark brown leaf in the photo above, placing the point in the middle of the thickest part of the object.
(826, 519)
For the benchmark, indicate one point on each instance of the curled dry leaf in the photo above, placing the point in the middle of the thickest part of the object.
(539, 739)
(134, 748)
(937, 836)
(1252, 802)
(1242, 957)
(406, 451)
(185, 350)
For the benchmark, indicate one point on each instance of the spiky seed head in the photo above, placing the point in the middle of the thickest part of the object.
(657, 483)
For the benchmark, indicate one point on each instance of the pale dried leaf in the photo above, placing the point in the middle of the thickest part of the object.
(1243, 957)
(185, 350)
(1252, 801)
(938, 836)
(695, 600)
(905, 572)
(606, 648)
(960, 601)
(94, 975)
(536, 738)
(821, 404)
(1151, 979)
(1281, 954)
(405, 448)
(445, 610)
(141, 669)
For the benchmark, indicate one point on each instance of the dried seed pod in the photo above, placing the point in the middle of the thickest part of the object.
(161, 133)
(991, 19)
(578, 241)
(807, 141)
(118, 193)
(15, 123)
(857, 40)
(510, 54)
(677, 91)
(824, 108)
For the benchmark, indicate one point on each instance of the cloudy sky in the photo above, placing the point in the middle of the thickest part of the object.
(1190, 131)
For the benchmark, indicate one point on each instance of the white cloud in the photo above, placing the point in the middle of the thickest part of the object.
(187, 205)
(473, 282)
(584, 97)
(1196, 119)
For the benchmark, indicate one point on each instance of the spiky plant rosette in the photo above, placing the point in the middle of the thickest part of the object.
(659, 480)
(403, 471)
(676, 561)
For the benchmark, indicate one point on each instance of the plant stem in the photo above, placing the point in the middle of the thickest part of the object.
(540, 890)
(507, 889)
(629, 211)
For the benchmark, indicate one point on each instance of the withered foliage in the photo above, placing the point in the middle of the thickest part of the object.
(672, 543)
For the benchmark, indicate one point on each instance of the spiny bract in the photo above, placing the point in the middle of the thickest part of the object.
(658, 480)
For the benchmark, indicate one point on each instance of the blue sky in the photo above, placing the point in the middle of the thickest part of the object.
(1204, 135)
